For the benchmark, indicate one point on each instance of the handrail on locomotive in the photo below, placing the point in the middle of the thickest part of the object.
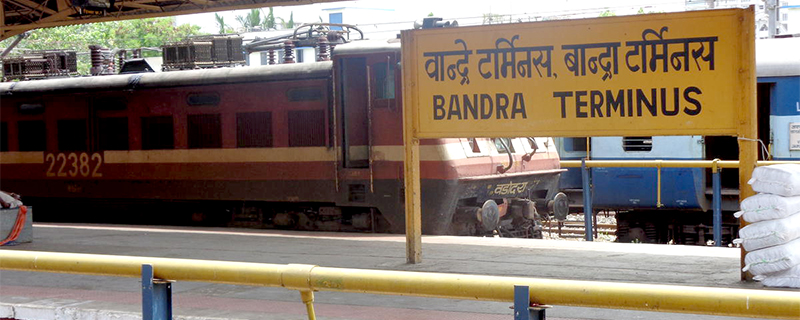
(324, 28)
(534, 146)
(307, 38)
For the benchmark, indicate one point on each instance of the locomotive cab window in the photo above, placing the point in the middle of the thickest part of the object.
(503, 145)
(32, 135)
(205, 131)
(157, 133)
(114, 133)
(72, 135)
(384, 84)
(474, 147)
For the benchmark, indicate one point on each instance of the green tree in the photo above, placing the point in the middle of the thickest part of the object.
(250, 20)
(269, 21)
(288, 24)
(223, 27)
(127, 34)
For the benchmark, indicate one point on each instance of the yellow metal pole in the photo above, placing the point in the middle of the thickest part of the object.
(748, 130)
(588, 148)
(308, 299)
(411, 160)
(775, 304)
(658, 188)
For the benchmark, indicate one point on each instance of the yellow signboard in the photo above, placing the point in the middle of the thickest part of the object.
(656, 74)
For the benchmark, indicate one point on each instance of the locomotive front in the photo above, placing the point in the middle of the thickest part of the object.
(470, 186)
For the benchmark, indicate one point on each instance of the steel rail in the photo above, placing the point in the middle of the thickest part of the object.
(308, 278)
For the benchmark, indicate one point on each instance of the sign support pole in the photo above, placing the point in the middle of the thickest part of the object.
(413, 208)
(411, 155)
(748, 113)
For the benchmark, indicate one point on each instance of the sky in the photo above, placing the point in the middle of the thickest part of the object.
(465, 11)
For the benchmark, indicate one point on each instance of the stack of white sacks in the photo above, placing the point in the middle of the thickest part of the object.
(772, 240)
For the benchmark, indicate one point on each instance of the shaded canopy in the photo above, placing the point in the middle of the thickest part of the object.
(18, 16)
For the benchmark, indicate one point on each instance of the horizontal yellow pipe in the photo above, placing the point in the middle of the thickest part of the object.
(730, 164)
(664, 298)
(260, 274)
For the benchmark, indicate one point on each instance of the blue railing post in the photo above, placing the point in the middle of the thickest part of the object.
(522, 305)
(156, 296)
(587, 200)
(717, 203)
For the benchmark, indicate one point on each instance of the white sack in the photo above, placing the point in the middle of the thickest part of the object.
(764, 206)
(780, 179)
(769, 233)
(9, 200)
(787, 278)
(773, 259)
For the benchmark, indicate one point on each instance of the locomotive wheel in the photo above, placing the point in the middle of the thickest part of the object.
(637, 235)
(559, 206)
(489, 215)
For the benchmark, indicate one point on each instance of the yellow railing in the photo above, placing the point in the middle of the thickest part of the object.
(725, 164)
(715, 165)
(308, 279)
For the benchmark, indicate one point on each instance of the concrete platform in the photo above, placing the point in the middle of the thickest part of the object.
(26, 295)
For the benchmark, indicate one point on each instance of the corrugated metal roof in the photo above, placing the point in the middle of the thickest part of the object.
(20, 16)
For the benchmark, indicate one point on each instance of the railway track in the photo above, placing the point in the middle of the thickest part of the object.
(577, 229)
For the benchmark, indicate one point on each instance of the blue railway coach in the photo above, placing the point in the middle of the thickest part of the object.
(684, 214)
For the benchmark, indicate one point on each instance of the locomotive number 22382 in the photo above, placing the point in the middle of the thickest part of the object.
(73, 164)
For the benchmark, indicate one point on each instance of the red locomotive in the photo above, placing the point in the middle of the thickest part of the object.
(313, 146)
